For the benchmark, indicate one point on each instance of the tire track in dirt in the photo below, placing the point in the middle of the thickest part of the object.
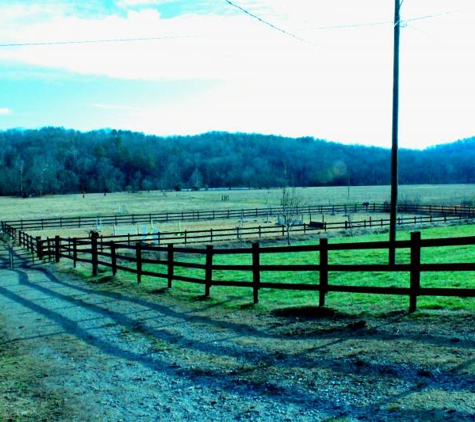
(103, 354)
(109, 366)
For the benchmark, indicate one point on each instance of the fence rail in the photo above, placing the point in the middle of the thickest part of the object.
(45, 248)
(166, 262)
(242, 214)
(229, 234)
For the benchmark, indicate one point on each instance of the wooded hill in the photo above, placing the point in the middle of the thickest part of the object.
(56, 160)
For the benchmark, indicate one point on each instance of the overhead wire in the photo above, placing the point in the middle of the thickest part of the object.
(243, 10)
(265, 22)
(97, 41)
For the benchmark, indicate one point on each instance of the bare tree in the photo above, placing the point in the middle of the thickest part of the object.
(21, 171)
(291, 204)
(42, 178)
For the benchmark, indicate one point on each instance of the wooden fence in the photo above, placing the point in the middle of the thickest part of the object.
(166, 260)
(241, 214)
(233, 234)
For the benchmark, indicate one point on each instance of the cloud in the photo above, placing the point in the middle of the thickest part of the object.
(135, 3)
(5, 110)
(114, 107)
(338, 87)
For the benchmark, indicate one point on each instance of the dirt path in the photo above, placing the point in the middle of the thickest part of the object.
(72, 350)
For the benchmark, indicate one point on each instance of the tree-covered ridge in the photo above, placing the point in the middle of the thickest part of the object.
(57, 160)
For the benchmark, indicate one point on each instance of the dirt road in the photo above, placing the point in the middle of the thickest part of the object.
(76, 350)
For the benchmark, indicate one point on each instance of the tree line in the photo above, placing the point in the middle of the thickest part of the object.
(55, 160)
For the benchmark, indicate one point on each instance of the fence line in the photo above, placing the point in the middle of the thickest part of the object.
(242, 214)
(43, 246)
(135, 257)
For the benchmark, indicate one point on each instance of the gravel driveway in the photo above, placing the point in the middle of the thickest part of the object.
(106, 354)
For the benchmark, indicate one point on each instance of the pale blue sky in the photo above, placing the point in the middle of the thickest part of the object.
(212, 67)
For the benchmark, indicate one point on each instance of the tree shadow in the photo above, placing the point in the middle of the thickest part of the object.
(254, 360)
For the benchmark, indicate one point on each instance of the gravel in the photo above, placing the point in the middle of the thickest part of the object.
(116, 355)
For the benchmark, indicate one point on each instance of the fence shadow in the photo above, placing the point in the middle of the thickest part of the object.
(255, 359)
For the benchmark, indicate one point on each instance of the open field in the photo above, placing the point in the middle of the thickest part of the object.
(174, 227)
(147, 202)
(105, 348)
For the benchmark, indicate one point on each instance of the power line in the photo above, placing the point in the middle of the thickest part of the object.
(436, 15)
(147, 39)
(363, 24)
(252, 15)
(351, 25)
(98, 41)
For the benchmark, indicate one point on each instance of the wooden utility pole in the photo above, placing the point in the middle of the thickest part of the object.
(395, 124)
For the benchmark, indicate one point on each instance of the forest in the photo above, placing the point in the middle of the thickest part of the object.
(55, 160)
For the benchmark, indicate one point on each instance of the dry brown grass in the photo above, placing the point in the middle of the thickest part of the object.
(154, 202)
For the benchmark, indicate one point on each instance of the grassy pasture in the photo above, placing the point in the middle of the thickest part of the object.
(147, 202)
(155, 201)
(272, 299)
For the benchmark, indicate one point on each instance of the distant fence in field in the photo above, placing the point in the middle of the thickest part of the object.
(240, 214)
(164, 262)
(234, 234)
(155, 255)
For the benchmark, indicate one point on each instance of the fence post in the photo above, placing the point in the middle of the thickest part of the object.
(209, 269)
(256, 271)
(138, 256)
(31, 248)
(94, 255)
(57, 248)
(113, 258)
(323, 271)
(170, 265)
(10, 256)
(415, 270)
(39, 246)
(75, 251)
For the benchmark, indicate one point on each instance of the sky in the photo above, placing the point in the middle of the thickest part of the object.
(319, 68)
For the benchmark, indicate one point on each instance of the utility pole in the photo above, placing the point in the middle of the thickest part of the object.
(395, 124)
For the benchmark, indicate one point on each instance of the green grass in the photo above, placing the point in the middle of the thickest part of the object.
(270, 299)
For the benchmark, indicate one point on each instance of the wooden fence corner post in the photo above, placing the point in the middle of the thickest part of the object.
(415, 270)
(57, 248)
(113, 258)
(323, 271)
(209, 270)
(170, 265)
(256, 271)
(94, 257)
(138, 258)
